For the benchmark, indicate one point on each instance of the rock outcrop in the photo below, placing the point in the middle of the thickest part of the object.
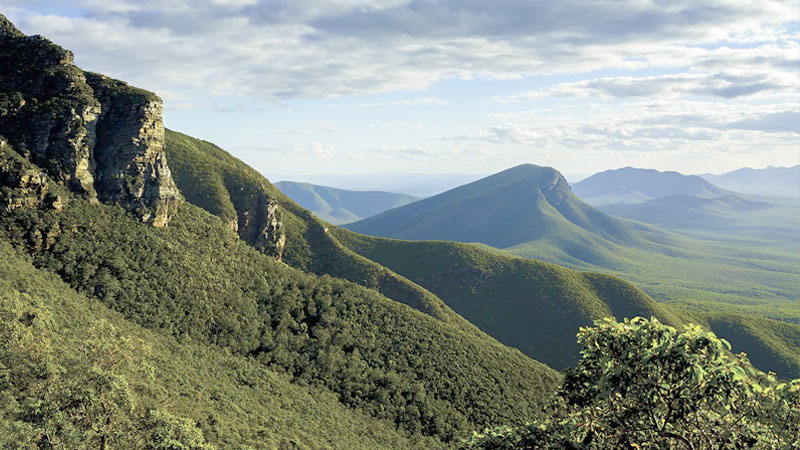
(102, 138)
(261, 227)
(22, 185)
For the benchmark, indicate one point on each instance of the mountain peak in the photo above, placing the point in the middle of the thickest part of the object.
(634, 185)
(515, 206)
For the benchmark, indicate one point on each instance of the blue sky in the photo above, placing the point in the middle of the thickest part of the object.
(454, 86)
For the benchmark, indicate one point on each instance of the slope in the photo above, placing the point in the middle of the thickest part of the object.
(536, 306)
(197, 280)
(214, 180)
(232, 400)
(529, 211)
(632, 185)
(769, 181)
(531, 305)
(339, 206)
(518, 205)
(91, 199)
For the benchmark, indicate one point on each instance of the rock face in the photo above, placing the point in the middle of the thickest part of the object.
(102, 138)
(261, 227)
(130, 160)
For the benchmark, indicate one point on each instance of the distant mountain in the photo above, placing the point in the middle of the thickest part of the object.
(339, 206)
(414, 184)
(632, 185)
(529, 211)
(724, 214)
(769, 181)
(689, 203)
(519, 205)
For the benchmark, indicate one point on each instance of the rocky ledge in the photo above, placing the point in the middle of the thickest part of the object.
(100, 137)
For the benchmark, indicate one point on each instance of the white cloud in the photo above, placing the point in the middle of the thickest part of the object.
(728, 84)
(414, 101)
(394, 152)
(280, 49)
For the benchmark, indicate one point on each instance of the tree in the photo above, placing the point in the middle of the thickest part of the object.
(642, 384)
(169, 432)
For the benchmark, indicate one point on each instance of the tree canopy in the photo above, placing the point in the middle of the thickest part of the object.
(642, 384)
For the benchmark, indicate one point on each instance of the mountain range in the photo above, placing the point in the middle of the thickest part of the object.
(530, 211)
(690, 204)
(339, 206)
(632, 185)
(769, 181)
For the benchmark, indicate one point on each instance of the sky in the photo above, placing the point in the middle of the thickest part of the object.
(303, 87)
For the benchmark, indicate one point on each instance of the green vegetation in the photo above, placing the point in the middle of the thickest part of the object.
(338, 206)
(195, 280)
(641, 384)
(536, 306)
(530, 212)
(531, 305)
(212, 179)
(67, 362)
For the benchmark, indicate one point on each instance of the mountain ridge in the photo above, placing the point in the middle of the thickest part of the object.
(634, 185)
(539, 197)
(769, 181)
(340, 206)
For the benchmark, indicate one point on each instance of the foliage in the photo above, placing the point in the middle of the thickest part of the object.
(211, 178)
(195, 280)
(531, 305)
(642, 384)
(53, 338)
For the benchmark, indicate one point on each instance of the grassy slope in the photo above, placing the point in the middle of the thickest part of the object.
(531, 305)
(214, 180)
(339, 206)
(536, 306)
(740, 277)
(234, 400)
(770, 344)
(196, 280)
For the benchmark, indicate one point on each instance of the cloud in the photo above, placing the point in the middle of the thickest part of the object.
(311, 128)
(414, 101)
(281, 49)
(729, 84)
(396, 152)
(649, 126)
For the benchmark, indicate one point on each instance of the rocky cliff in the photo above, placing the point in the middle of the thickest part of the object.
(102, 138)
(260, 226)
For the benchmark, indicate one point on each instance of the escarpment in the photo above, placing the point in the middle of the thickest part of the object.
(259, 225)
(102, 138)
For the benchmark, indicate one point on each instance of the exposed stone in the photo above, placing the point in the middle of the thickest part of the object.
(20, 186)
(131, 163)
(102, 138)
(262, 228)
